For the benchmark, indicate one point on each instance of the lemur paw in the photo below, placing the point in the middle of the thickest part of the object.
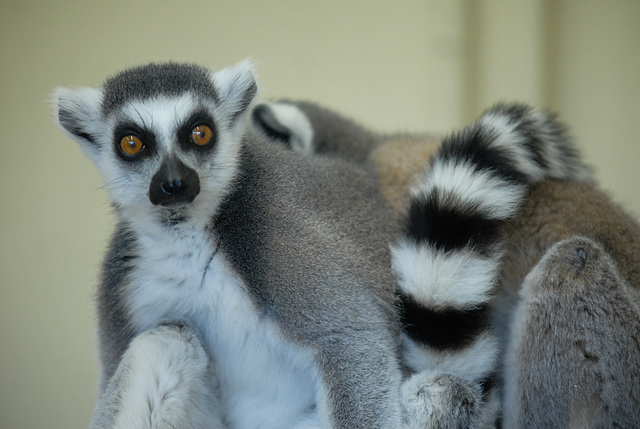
(436, 400)
(164, 379)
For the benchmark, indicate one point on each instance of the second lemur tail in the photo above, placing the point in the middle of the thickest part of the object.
(448, 260)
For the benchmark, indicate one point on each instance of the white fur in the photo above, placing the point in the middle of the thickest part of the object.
(509, 141)
(163, 380)
(294, 119)
(86, 103)
(473, 363)
(163, 115)
(465, 187)
(232, 81)
(267, 381)
(437, 279)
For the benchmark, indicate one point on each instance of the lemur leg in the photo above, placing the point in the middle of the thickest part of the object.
(574, 360)
(165, 379)
(448, 261)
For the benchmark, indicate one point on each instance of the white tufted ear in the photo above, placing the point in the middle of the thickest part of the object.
(236, 86)
(78, 114)
(285, 122)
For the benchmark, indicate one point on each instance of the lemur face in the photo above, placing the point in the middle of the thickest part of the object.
(163, 147)
(162, 135)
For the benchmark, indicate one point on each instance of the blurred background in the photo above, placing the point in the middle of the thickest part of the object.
(393, 66)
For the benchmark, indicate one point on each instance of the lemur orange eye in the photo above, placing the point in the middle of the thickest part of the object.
(131, 145)
(202, 135)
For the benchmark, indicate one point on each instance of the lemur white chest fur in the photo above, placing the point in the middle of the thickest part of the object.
(265, 381)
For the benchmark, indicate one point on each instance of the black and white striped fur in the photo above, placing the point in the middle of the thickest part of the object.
(448, 261)
(239, 290)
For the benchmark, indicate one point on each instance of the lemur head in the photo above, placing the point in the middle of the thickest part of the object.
(166, 136)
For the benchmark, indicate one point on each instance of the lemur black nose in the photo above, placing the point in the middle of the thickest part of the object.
(174, 184)
(174, 187)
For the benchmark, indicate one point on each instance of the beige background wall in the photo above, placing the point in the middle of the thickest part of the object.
(408, 66)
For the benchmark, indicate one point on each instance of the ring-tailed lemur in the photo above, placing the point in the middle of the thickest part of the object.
(239, 290)
(478, 222)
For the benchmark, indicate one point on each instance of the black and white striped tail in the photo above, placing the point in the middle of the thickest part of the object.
(448, 261)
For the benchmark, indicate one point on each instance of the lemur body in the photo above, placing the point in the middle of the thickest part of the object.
(498, 212)
(239, 290)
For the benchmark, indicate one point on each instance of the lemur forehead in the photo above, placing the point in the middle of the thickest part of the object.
(156, 79)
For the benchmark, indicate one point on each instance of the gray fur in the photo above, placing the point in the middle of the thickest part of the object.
(576, 357)
(154, 79)
(565, 368)
(114, 328)
(328, 293)
(437, 400)
(315, 268)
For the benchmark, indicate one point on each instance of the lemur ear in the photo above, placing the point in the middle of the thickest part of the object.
(284, 122)
(267, 122)
(237, 86)
(78, 114)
